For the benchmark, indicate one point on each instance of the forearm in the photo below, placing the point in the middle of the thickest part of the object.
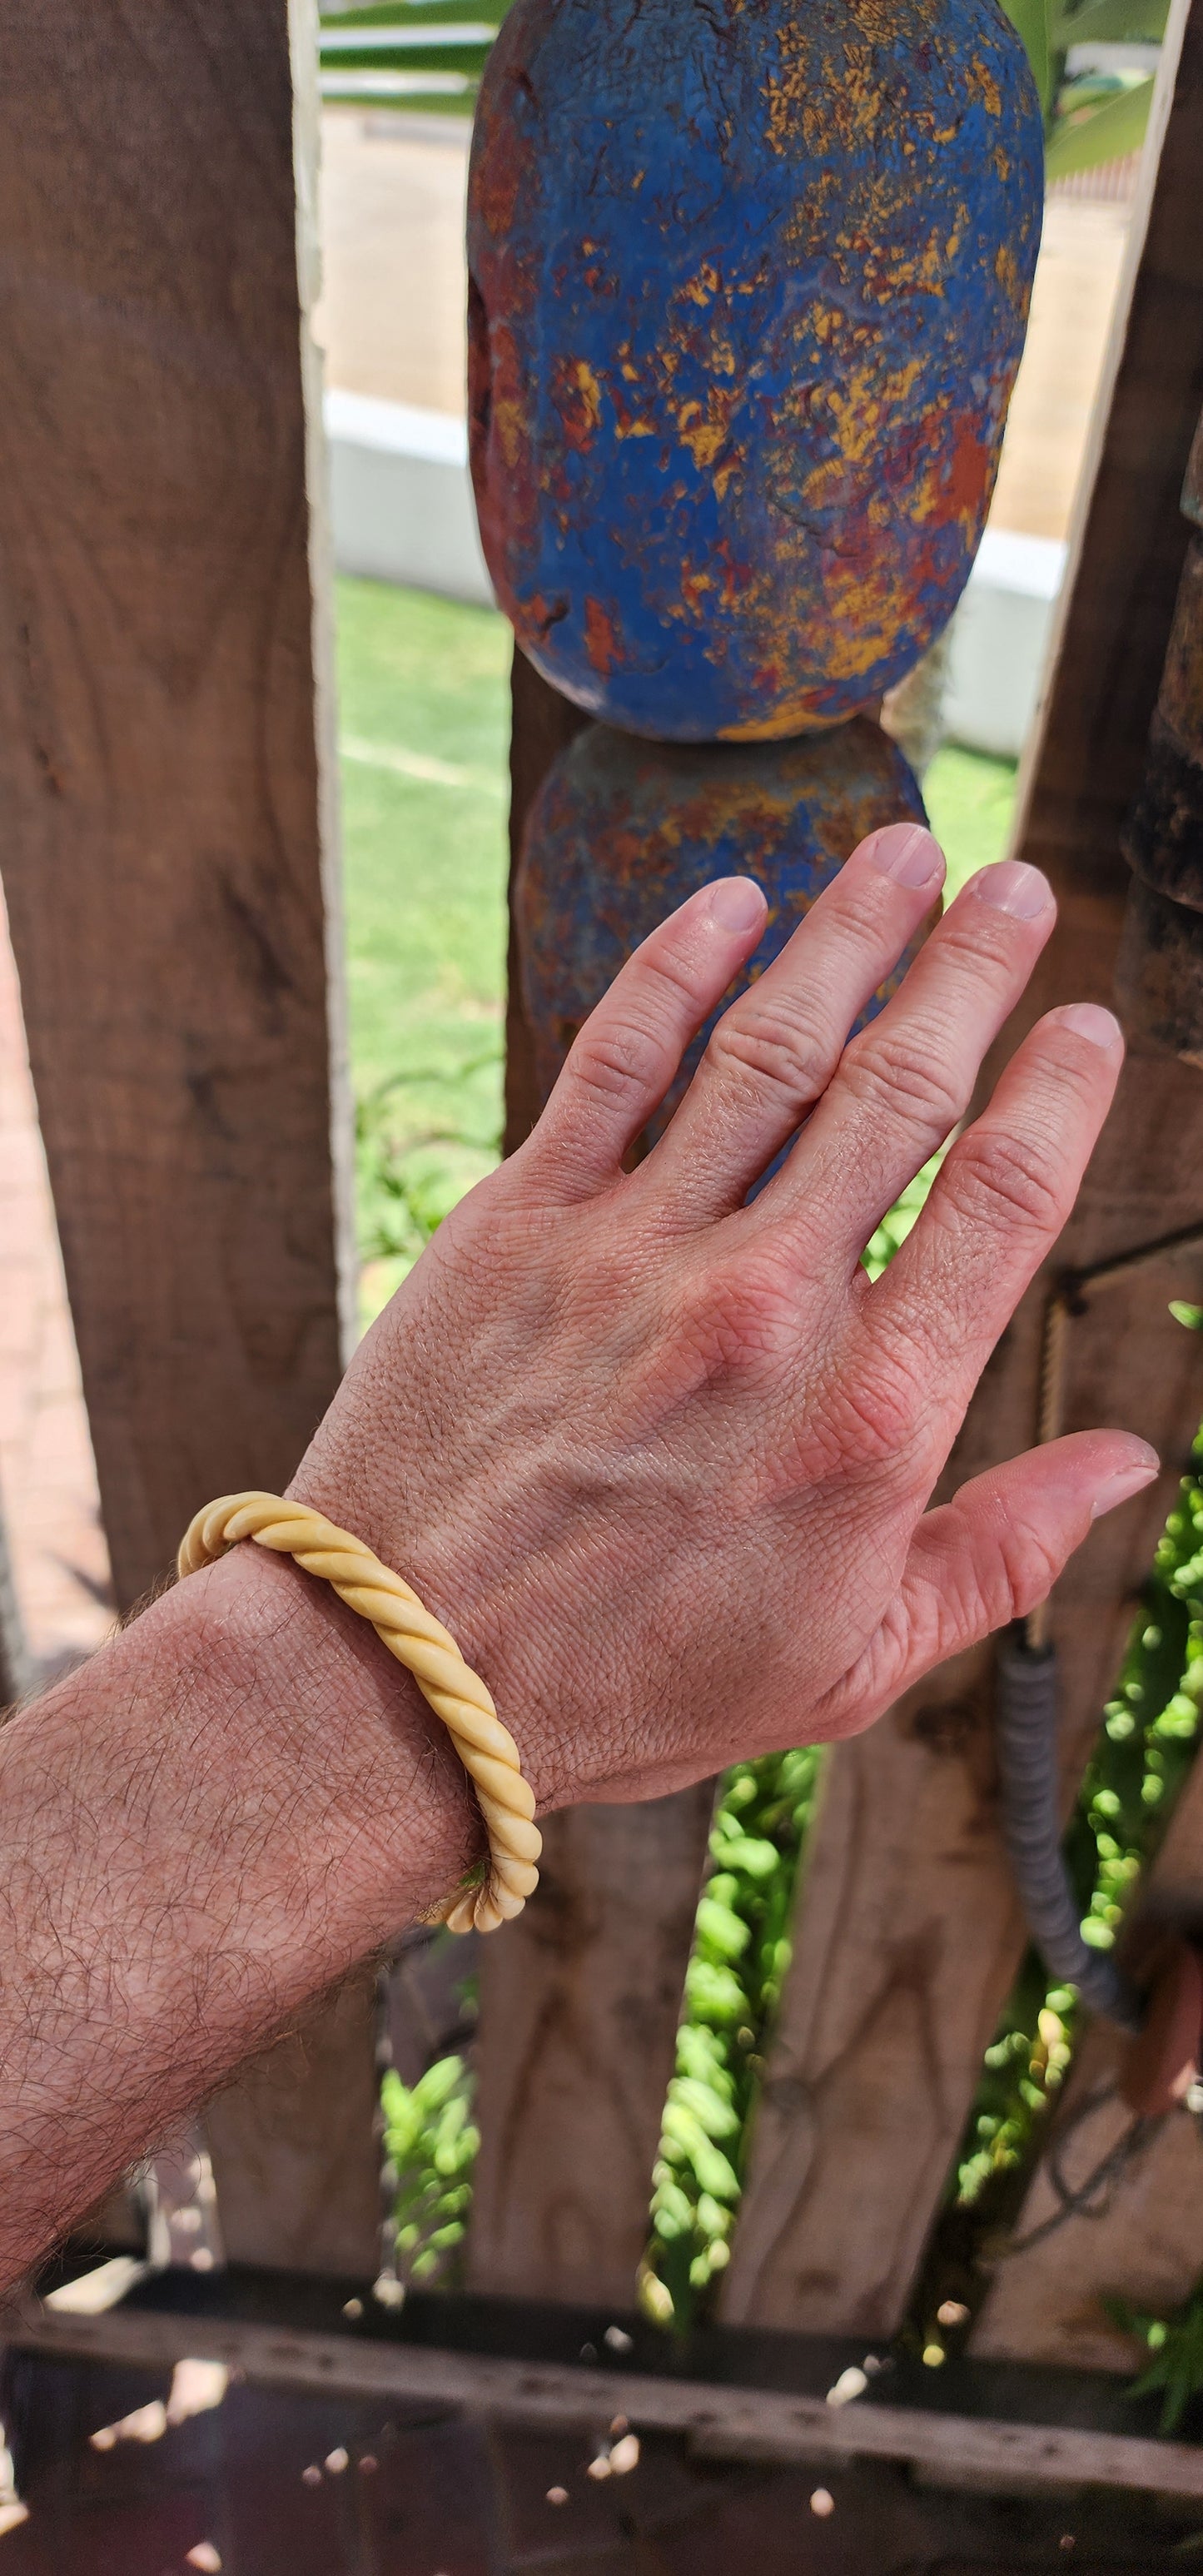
(234, 1801)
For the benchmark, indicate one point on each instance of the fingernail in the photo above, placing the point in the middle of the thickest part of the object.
(1011, 886)
(1089, 1020)
(907, 853)
(1126, 1481)
(736, 904)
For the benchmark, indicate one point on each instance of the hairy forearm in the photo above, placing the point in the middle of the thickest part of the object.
(234, 1801)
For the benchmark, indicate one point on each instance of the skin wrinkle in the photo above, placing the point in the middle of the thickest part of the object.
(659, 1460)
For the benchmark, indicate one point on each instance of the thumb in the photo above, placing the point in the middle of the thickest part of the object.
(997, 1548)
(988, 1557)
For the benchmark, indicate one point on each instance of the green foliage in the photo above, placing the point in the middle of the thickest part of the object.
(1030, 19)
(431, 2142)
(422, 684)
(398, 39)
(740, 1955)
(1095, 116)
(1175, 2347)
(410, 1174)
(970, 799)
(1097, 121)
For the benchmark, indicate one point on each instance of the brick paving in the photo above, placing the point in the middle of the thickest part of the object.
(51, 1510)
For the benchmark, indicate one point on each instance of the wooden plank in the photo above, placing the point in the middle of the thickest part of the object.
(908, 1933)
(1045, 2304)
(294, 2153)
(543, 723)
(742, 2422)
(164, 862)
(580, 2000)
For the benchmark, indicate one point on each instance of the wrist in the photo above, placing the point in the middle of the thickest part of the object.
(457, 1561)
(374, 1807)
(208, 1825)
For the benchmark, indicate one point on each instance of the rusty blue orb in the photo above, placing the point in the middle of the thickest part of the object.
(622, 831)
(748, 288)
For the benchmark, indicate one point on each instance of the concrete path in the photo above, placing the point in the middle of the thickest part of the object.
(391, 318)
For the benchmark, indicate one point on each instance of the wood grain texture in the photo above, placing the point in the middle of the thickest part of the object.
(908, 1932)
(719, 2420)
(1045, 2305)
(169, 826)
(580, 2000)
(162, 860)
(543, 723)
(294, 2150)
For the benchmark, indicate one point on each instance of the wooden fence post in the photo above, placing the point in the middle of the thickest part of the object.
(580, 2003)
(908, 1932)
(580, 1998)
(166, 869)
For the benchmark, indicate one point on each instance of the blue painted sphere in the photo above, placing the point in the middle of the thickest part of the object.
(622, 831)
(748, 288)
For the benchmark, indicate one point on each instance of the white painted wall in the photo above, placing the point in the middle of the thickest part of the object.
(400, 496)
(1000, 638)
(401, 507)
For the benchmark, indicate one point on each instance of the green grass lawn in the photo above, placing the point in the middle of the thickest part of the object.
(424, 713)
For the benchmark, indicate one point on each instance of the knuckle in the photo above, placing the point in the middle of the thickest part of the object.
(743, 1315)
(1011, 1176)
(1028, 1569)
(770, 1043)
(876, 1408)
(673, 969)
(895, 1071)
(613, 1063)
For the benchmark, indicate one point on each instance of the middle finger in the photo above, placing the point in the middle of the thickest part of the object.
(907, 1080)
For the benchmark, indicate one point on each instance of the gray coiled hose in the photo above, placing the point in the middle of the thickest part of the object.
(1026, 1722)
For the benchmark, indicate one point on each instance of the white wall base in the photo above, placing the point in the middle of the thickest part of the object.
(401, 508)
(400, 497)
(1000, 639)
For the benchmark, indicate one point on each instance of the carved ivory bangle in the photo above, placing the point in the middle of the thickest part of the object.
(456, 1694)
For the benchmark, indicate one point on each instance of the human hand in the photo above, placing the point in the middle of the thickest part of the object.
(661, 1459)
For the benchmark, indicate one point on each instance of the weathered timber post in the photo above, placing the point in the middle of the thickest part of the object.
(739, 366)
(168, 849)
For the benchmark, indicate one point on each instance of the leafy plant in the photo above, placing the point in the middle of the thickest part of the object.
(1090, 117)
(430, 2141)
(411, 1168)
(1175, 2347)
(740, 1954)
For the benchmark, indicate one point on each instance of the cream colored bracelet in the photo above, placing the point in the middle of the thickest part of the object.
(456, 1694)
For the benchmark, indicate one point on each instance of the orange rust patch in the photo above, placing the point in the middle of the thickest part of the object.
(577, 394)
(987, 88)
(603, 644)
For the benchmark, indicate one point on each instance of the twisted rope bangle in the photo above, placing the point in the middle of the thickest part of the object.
(456, 1694)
